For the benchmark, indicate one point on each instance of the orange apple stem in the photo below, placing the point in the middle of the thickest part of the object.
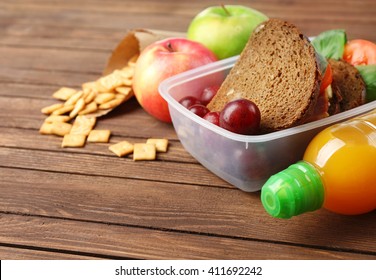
(226, 11)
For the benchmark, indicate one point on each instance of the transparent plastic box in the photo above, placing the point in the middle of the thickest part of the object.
(244, 161)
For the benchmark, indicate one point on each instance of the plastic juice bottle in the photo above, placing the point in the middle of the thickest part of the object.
(338, 172)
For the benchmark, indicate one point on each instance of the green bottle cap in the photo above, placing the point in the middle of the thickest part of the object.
(293, 191)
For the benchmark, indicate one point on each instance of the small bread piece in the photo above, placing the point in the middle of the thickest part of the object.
(99, 136)
(73, 140)
(160, 144)
(350, 84)
(83, 125)
(64, 93)
(278, 71)
(143, 151)
(122, 148)
(50, 109)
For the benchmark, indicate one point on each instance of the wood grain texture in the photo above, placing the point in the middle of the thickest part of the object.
(187, 208)
(28, 253)
(116, 241)
(87, 203)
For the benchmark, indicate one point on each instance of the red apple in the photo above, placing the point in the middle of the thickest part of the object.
(161, 60)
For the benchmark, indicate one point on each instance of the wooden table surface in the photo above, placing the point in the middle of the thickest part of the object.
(86, 203)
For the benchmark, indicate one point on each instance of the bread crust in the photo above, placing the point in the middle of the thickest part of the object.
(350, 84)
(278, 70)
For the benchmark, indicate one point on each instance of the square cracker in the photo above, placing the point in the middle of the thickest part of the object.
(61, 128)
(83, 125)
(160, 144)
(89, 95)
(89, 108)
(73, 140)
(124, 90)
(122, 148)
(78, 107)
(57, 118)
(112, 103)
(64, 93)
(50, 109)
(109, 82)
(104, 97)
(57, 128)
(143, 151)
(74, 98)
(99, 136)
(63, 110)
(46, 128)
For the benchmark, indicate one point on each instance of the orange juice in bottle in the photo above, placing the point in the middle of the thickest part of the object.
(338, 172)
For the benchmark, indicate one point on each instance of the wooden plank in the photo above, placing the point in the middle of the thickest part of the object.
(210, 211)
(52, 78)
(31, 139)
(111, 7)
(27, 90)
(72, 17)
(86, 61)
(81, 38)
(15, 253)
(44, 36)
(92, 204)
(187, 8)
(70, 57)
(140, 243)
(357, 18)
(111, 166)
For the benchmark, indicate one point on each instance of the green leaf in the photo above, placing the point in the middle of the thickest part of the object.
(331, 43)
(368, 73)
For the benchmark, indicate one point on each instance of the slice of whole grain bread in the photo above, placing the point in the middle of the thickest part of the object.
(350, 84)
(278, 71)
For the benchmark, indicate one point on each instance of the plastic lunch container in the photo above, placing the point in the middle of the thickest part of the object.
(244, 161)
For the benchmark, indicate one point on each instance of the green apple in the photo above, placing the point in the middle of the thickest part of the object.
(225, 29)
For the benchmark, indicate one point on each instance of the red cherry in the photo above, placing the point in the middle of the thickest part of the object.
(212, 117)
(240, 116)
(208, 94)
(199, 109)
(189, 101)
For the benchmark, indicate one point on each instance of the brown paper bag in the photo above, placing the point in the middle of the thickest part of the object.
(133, 43)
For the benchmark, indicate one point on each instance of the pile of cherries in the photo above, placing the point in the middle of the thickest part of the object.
(240, 116)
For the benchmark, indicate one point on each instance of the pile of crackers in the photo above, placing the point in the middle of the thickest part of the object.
(75, 116)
